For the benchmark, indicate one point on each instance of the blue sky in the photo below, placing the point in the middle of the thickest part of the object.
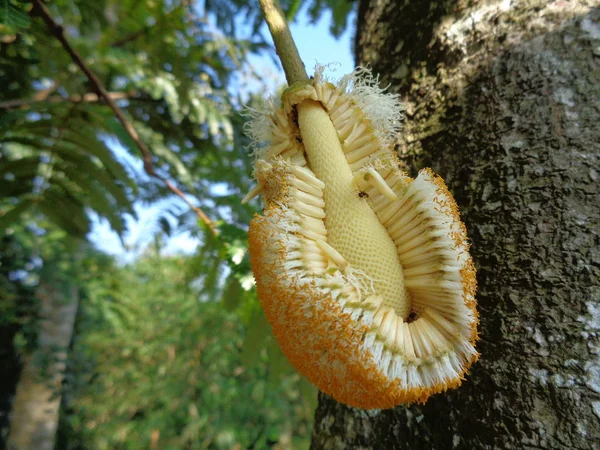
(315, 44)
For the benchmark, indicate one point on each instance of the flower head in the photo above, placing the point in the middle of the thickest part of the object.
(363, 272)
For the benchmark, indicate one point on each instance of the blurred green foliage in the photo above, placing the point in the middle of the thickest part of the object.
(151, 363)
(32, 255)
(18, 310)
(169, 352)
(169, 70)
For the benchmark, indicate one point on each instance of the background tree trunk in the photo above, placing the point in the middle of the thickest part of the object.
(503, 101)
(34, 417)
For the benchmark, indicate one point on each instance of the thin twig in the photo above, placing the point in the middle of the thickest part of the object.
(88, 97)
(146, 29)
(131, 37)
(39, 97)
(58, 32)
(284, 43)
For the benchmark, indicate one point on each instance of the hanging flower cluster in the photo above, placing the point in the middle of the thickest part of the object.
(363, 272)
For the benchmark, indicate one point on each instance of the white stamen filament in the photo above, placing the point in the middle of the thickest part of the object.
(379, 183)
(307, 176)
(350, 146)
(305, 187)
(345, 131)
(309, 210)
(333, 254)
(342, 112)
(307, 198)
(354, 155)
(256, 190)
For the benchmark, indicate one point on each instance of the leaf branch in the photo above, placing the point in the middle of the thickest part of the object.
(129, 38)
(88, 97)
(185, 4)
(58, 32)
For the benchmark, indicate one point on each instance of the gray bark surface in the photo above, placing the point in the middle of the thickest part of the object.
(34, 417)
(503, 101)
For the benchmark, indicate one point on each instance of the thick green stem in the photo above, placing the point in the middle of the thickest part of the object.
(284, 43)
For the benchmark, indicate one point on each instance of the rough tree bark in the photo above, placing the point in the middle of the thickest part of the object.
(502, 100)
(34, 417)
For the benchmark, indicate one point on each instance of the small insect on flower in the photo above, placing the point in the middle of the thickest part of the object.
(373, 301)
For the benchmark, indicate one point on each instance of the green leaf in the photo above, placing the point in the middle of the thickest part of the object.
(309, 394)
(279, 366)
(256, 335)
(165, 226)
(212, 277)
(87, 141)
(340, 10)
(258, 391)
(16, 188)
(20, 168)
(192, 431)
(71, 147)
(83, 168)
(13, 17)
(71, 157)
(292, 10)
(65, 210)
(12, 214)
(232, 294)
(92, 196)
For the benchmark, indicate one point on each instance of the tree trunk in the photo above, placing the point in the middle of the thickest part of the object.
(503, 101)
(34, 417)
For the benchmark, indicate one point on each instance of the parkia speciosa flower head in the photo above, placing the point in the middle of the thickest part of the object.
(363, 272)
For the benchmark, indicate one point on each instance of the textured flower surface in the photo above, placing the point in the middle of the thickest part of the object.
(363, 272)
